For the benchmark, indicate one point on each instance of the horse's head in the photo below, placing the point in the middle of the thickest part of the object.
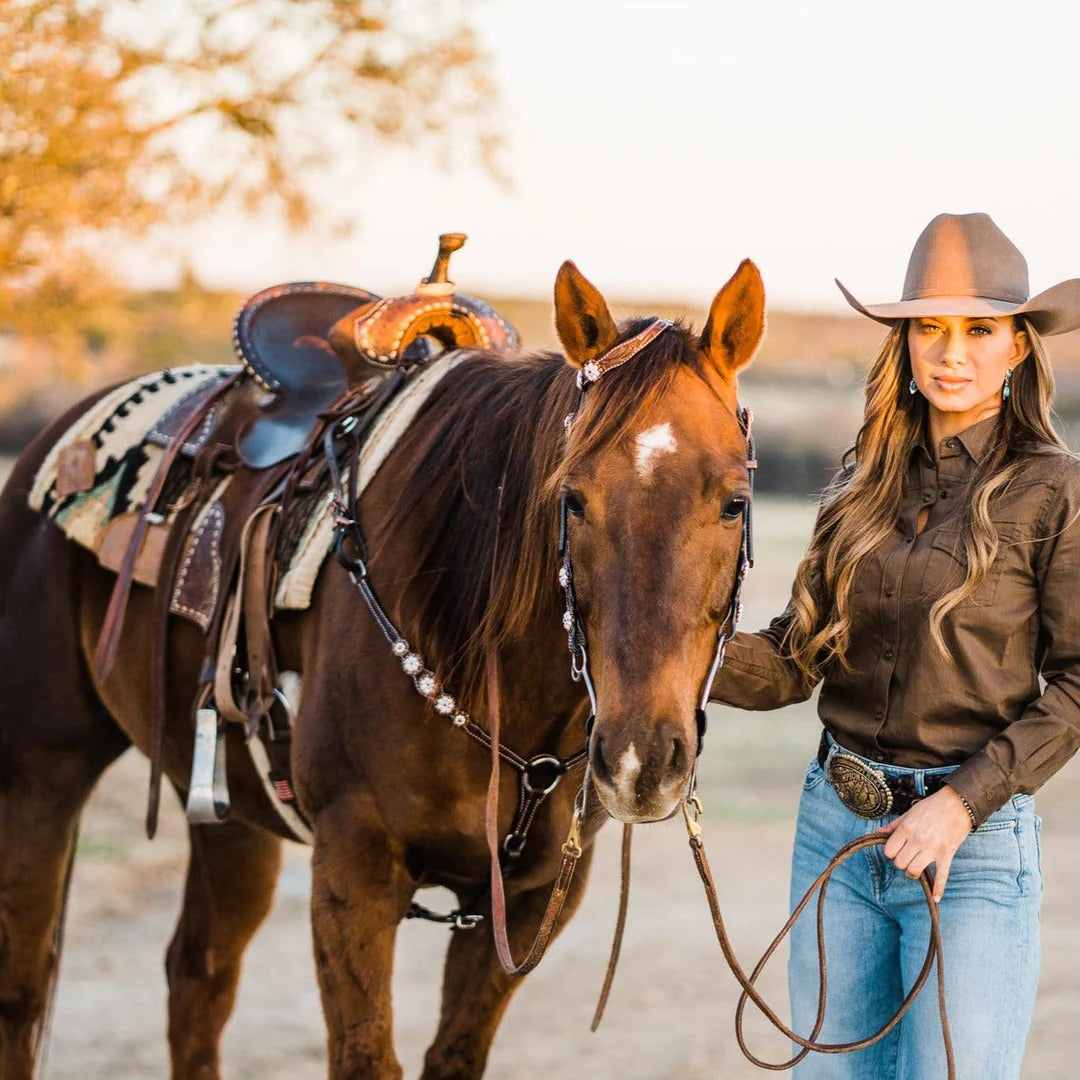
(655, 483)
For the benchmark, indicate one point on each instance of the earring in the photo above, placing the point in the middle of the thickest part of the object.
(912, 388)
(1006, 388)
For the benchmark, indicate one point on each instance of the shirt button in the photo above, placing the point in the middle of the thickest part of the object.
(888, 654)
(943, 494)
(950, 443)
(879, 757)
(880, 714)
(927, 496)
(889, 593)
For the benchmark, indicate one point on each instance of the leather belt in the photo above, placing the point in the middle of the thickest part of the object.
(869, 792)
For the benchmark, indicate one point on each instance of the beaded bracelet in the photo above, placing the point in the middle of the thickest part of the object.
(971, 813)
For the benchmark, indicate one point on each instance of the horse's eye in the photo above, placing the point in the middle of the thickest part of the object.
(574, 504)
(734, 508)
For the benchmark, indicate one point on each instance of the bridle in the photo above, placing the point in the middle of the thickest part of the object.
(540, 775)
(588, 376)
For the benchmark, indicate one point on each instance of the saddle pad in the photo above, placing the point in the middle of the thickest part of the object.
(118, 446)
(316, 539)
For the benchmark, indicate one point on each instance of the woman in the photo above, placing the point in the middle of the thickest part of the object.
(942, 578)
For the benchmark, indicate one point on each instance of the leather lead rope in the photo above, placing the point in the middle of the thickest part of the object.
(935, 951)
(620, 927)
(571, 851)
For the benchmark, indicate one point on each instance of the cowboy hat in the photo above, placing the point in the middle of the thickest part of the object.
(963, 264)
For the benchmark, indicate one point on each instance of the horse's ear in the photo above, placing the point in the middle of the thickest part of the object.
(736, 322)
(582, 320)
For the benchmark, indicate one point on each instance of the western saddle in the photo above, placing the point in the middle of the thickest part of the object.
(311, 352)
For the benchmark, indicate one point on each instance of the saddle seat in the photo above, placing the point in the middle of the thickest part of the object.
(281, 337)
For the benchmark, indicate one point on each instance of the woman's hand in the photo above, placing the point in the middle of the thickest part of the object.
(930, 832)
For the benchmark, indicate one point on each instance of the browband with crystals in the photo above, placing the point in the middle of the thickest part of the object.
(613, 358)
(619, 354)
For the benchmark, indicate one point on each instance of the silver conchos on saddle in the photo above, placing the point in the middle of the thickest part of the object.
(861, 789)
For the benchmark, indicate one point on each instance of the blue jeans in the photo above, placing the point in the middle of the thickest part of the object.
(877, 929)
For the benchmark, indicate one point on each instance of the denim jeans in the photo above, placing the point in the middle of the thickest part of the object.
(877, 930)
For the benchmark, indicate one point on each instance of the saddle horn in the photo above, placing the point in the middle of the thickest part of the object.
(380, 333)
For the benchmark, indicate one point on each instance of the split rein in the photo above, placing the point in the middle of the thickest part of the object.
(540, 775)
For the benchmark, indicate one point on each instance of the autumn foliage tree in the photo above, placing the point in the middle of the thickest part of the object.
(118, 115)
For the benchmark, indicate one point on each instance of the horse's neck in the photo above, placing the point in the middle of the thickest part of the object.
(540, 703)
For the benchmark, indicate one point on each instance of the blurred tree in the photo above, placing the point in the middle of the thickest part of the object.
(116, 115)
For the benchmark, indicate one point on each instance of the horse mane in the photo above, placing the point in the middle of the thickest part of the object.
(489, 453)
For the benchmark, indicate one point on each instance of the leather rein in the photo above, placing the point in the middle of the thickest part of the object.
(540, 775)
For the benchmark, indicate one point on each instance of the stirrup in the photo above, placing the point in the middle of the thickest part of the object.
(208, 792)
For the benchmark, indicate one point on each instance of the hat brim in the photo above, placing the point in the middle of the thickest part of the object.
(1054, 311)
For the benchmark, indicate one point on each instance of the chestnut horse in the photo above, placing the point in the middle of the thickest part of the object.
(462, 522)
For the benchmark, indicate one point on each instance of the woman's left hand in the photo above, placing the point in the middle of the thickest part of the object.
(930, 832)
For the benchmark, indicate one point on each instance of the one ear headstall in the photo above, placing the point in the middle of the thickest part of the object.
(615, 357)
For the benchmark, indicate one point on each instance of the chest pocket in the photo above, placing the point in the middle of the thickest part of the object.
(946, 565)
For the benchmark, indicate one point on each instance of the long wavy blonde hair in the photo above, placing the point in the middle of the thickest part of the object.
(861, 506)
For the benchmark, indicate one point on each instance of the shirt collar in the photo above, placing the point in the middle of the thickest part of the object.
(975, 441)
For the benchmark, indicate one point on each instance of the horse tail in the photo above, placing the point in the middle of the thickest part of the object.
(44, 1027)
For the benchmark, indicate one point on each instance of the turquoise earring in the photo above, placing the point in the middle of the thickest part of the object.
(912, 388)
(1006, 388)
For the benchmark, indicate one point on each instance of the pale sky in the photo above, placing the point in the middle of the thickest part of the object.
(658, 143)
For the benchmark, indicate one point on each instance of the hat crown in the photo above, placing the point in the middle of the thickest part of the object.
(966, 255)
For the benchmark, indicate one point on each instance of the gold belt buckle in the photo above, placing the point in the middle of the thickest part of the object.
(862, 790)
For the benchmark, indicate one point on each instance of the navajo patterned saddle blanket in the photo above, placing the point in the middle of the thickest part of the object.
(95, 480)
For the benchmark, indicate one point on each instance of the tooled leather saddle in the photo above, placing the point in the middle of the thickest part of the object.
(308, 350)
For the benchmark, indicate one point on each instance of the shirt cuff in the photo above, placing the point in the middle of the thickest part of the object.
(982, 785)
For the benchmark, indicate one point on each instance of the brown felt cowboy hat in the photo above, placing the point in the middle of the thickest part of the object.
(963, 264)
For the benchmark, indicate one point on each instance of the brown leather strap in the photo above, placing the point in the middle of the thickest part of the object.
(109, 639)
(159, 655)
(934, 951)
(256, 585)
(620, 927)
(571, 855)
(255, 529)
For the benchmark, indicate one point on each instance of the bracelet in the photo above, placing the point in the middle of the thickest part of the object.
(970, 812)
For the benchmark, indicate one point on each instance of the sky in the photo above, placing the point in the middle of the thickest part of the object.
(658, 143)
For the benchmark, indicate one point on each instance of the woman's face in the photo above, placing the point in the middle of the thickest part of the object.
(959, 363)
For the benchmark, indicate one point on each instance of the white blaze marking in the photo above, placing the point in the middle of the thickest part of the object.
(630, 765)
(650, 445)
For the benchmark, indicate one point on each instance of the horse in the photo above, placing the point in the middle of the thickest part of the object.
(462, 523)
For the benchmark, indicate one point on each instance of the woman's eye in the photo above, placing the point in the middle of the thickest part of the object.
(929, 328)
(574, 505)
(981, 331)
(734, 508)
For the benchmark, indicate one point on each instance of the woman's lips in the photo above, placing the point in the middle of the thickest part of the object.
(950, 384)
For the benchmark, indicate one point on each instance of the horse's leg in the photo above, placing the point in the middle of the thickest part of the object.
(476, 990)
(55, 740)
(360, 892)
(41, 798)
(232, 871)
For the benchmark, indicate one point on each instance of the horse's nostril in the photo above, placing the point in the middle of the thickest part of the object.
(677, 760)
(600, 766)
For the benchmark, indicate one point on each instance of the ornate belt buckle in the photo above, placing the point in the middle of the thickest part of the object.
(862, 790)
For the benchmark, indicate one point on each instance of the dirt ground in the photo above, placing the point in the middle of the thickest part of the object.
(671, 1013)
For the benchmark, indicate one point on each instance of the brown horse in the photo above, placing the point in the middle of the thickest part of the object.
(462, 521)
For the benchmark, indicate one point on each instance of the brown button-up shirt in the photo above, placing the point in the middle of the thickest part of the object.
(981, 707)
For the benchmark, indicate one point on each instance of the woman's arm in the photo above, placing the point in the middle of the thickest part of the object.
(756, 673)
(1035, 745)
